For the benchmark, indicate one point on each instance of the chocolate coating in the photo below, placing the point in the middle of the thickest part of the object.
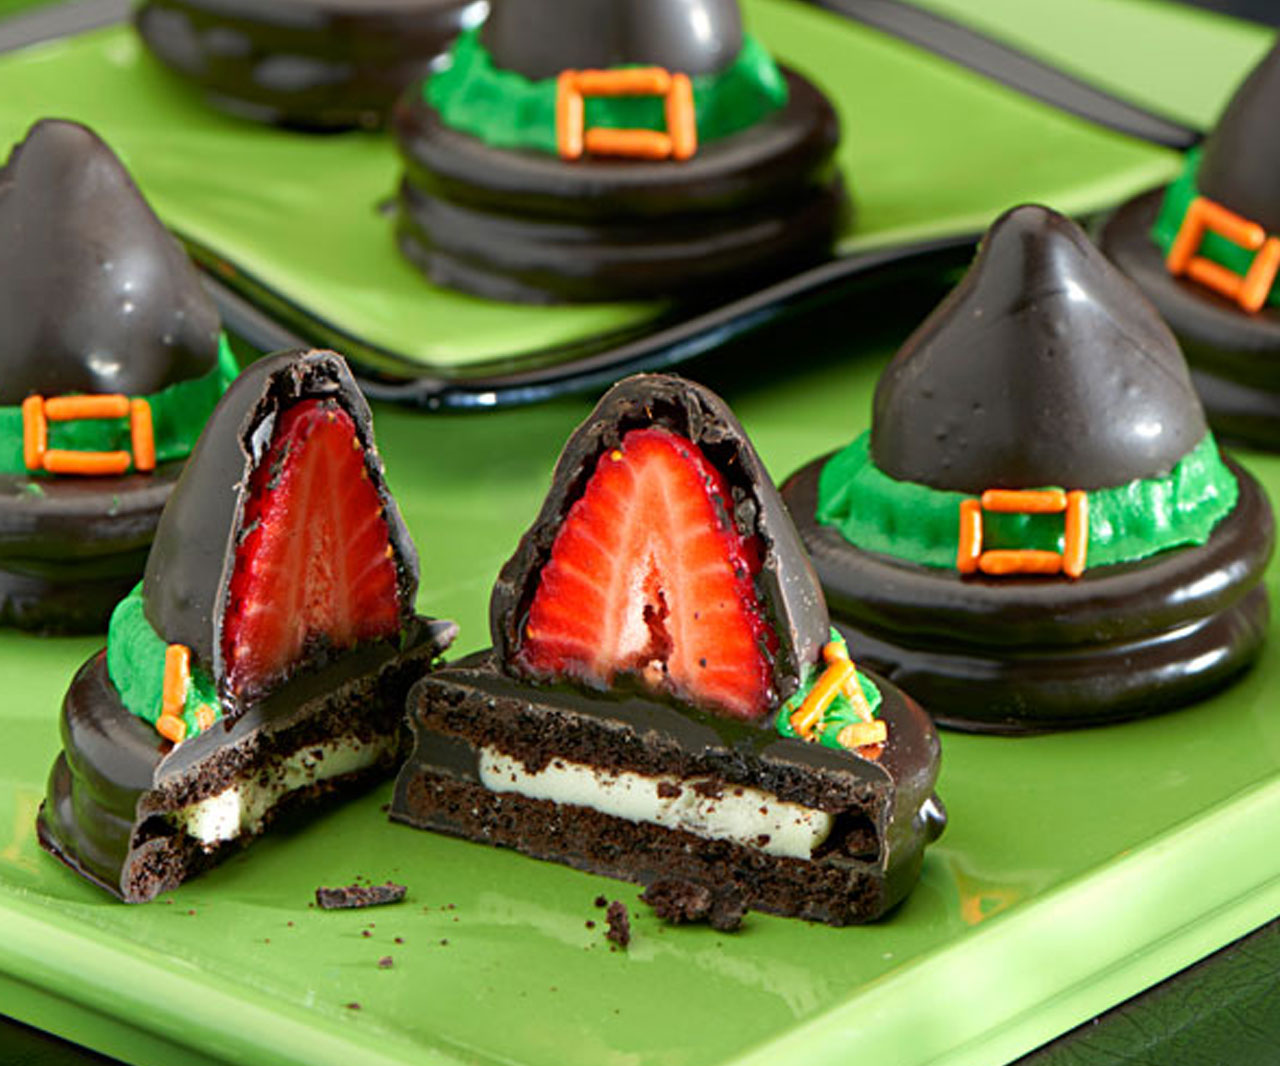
(1234, 356)
(1044, 366)
(117, 780)
(1241, 161)
(95, 294)
(886, 806)
(1027, 654)
(309, 64)
(529, 226)
(786, 584)
(192, 559)
(541, 38)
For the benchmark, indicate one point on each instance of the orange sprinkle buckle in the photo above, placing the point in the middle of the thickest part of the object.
(839, 676)
(37, 413)
(1070, 561)
(1251, 290)
(574, 138)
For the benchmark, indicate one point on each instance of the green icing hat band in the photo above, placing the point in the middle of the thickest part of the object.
(1128, 523)
(178, 414)
(505, 109)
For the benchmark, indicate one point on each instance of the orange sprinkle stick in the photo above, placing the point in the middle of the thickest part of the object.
(1075, 543)
(177, 679)
(805, 720)
(628, 144)
(682, 118)
(205, 716)
(570, 116)
(860, 734)
(142, 436)
(35, 433)
(1206, 216)
(90, 464)
(1010, 501)
(970, 537)
(171, 728)
(74, 408)
(636, 81)
(1025, 561)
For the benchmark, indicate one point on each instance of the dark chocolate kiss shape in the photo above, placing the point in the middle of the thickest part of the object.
(95, 294)
(193, 555)
(1044, 366)
(1241, 164)
(787, 584)
(541, 38)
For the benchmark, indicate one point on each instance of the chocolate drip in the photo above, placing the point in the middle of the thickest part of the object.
(96, 295)
(541, 38)
(1045, 366)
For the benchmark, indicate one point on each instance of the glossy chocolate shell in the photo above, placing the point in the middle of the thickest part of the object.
(541, 38)
(95, 294)
(308, 64)
(1044, 366)
(192, 559)
(786, 583)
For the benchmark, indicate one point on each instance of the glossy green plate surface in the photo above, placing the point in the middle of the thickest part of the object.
(1077, 868)
(929, 150)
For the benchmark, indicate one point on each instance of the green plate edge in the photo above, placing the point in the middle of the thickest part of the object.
(930, 150)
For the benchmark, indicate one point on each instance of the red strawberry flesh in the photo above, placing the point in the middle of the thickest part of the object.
(314, 570)
(649, 577)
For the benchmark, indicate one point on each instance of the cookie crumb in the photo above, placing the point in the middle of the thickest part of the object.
(347, 897)
(619, 924)
(353, 1006)
(386, 962)
(682, 902)
(601, 901)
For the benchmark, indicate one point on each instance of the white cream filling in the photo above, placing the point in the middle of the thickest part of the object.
(745, 816)
(242, 807)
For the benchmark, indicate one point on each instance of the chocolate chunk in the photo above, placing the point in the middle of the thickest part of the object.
(348, 897)
(1045, 366)
(619, 924)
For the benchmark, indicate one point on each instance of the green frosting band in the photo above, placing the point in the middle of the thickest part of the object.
(135, 664)
(178, 414)
(920, 524)
(839, 714)
(507, 110)
(1177, 199)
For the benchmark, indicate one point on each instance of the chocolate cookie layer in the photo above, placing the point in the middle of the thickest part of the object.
(883, 813)
(118, 793)
(1027, 654)
(1234, 356)
(523, 225)
(95, 296)
(309, 64)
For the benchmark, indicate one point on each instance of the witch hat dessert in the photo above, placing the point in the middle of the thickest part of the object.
(614, 149)
(263, 661)
(1206, 252)
(1039, 530)
(661, 647)
(308, 64)
(112, 363)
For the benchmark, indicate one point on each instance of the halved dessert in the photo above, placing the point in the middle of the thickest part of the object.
(1039, 530)
(578, 150)
(665, 699)
(112, 362)
(264, 660)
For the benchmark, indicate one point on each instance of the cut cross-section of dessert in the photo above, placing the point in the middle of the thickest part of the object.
(263, 662)
(665, 700)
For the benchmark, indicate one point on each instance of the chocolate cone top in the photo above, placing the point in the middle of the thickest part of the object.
(1240, 168)
(541, 38)
(786, 585)
(95, 294)
(1044, 366)
(193, 556)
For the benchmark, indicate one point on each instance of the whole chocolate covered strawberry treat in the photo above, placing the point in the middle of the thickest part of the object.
(1206, 251)
(112, 361)
(263, 662)
(665, 700)
(577, 150)
(1039, 531)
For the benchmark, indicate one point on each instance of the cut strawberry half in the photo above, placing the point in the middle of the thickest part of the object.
(314, 570)
(649, 577)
